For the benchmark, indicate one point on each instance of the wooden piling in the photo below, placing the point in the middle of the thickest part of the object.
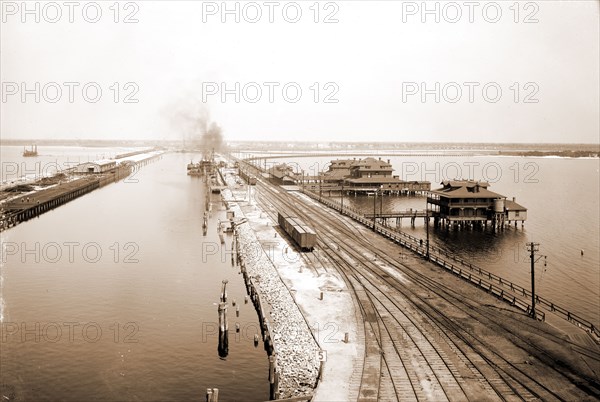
(224, 290)
(272, 369)
(223, 324)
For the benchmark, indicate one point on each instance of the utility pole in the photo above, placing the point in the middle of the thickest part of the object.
(532, 248)
(374, 209)
(427, 230)
(320, 187)
(342, 208)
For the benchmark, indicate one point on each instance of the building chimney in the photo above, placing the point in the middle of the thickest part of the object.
(514, 199)
(388, 161)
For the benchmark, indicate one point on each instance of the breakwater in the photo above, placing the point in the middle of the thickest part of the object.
(294, 362)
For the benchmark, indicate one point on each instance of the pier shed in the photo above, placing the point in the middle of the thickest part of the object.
(99, 166)
(460, 202)
(283, 175)
(515, 212)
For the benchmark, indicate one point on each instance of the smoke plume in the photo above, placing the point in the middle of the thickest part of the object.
(190, 119)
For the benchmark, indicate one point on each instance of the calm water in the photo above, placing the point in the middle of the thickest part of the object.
(51, 159)
(562, 197)
(143, 274)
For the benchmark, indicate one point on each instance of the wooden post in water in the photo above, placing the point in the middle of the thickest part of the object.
(212, 394)
(276, 386)
(223, 325)
(271, 369)
(224, 290)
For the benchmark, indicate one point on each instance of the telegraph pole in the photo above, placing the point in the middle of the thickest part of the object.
(374, 209)
(320, 186)
(532, 248)
(342, 203)
(427, 230)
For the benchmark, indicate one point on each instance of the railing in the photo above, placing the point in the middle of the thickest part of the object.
(485, 284)
(402, 214)
(494, 284)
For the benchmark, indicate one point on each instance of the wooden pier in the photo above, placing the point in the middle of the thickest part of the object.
(29, 206)
(35, 203)
(411, 214)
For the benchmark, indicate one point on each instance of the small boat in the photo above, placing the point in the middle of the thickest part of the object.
(30, 152)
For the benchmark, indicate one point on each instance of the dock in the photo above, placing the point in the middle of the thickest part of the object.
(411, 214)
(29, 206)
(66, 186)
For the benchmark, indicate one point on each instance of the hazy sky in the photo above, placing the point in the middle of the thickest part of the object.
(376, 61)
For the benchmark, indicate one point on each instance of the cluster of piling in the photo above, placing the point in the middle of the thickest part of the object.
(293, 352)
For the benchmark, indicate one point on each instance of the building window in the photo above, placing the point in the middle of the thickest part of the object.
(517, 213)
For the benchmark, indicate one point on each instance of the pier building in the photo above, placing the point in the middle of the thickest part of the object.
(99, 166)
(367, 175)
(283, 175)
(460, 202)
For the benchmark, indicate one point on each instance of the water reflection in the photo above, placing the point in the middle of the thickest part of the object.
(223, 348)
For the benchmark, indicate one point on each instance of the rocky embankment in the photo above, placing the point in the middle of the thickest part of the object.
(296, 350)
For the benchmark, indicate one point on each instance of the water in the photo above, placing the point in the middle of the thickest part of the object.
(562, 197)
(51, 159)
(140, 272)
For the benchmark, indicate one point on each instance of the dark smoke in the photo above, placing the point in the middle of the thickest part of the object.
(191, 120)
(212, 138)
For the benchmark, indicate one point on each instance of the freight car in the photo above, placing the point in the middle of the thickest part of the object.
(300, 232)
(248, 178)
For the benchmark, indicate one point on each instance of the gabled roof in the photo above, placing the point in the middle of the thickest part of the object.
(513, 206)
(465, 189)
(372, 163)
(101, 162)
(375, 180)
(464, 183)
(337, 174)
(279, 171)
(341, 163)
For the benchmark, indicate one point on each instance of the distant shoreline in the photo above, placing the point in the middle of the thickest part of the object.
(522, 149)
(561, 154)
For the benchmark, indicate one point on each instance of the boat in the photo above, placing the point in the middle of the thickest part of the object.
(206, 166)
(30, 152)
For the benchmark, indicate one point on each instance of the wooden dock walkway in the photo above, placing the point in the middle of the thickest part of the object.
(31, 205)
(401, 214)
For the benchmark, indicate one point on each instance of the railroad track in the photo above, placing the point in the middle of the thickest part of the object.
(315, 264)
(414, 350)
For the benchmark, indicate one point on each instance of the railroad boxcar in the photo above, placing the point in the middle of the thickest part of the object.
(248, 178)
(302, 234)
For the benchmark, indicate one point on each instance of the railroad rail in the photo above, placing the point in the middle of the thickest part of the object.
(413, 349)
(486, 280)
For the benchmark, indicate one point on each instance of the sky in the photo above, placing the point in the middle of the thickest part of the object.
(433, 71)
